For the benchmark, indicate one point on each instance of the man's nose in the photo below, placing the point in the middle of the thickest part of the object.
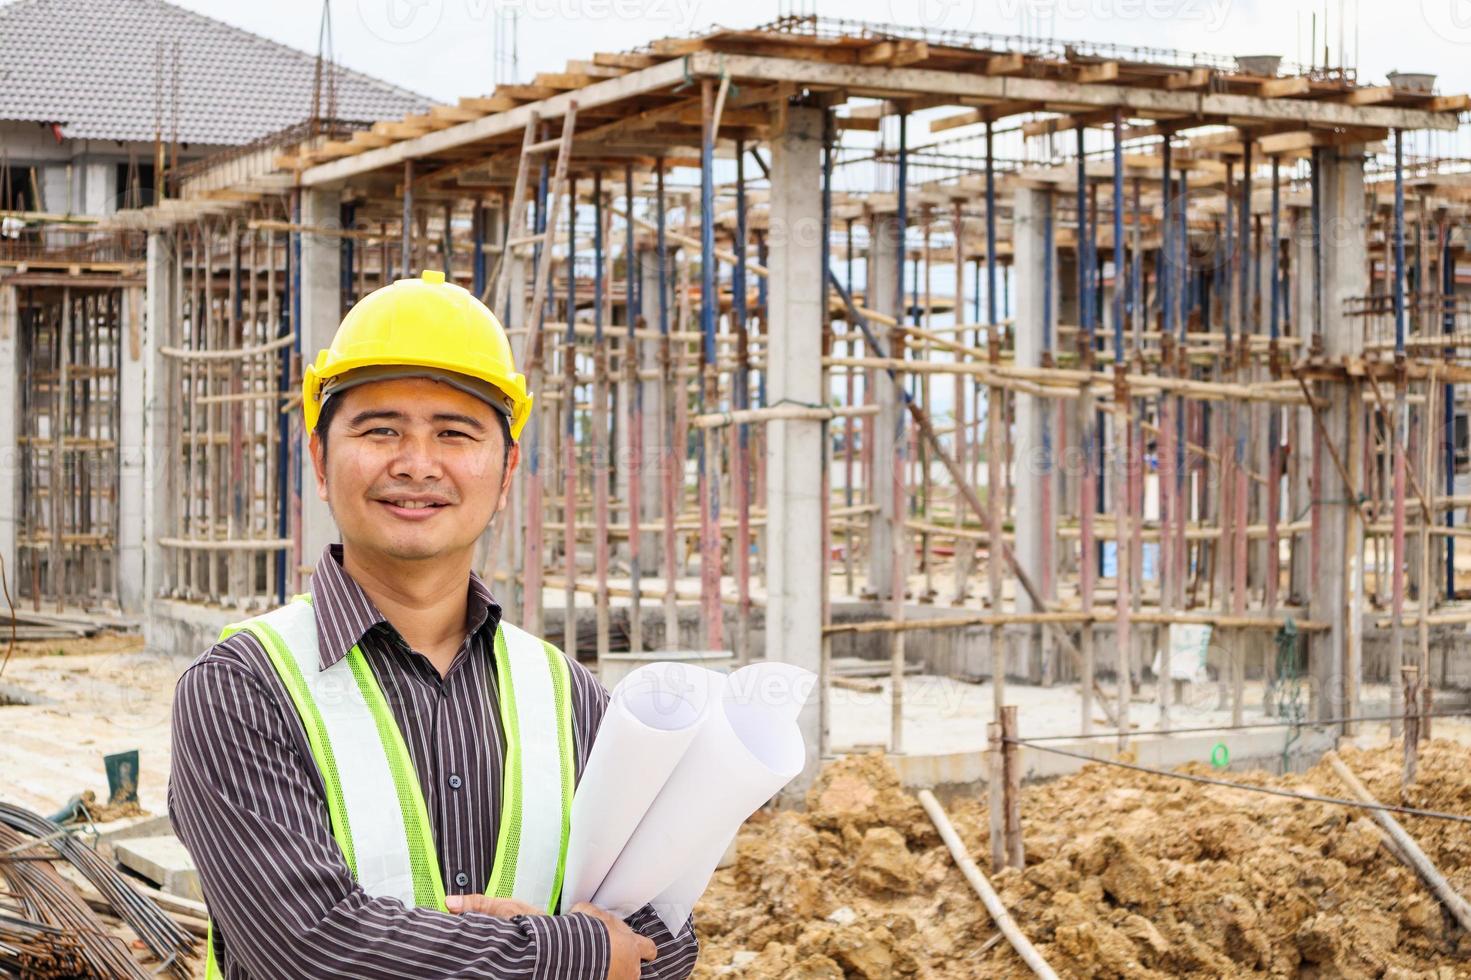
(417, 459)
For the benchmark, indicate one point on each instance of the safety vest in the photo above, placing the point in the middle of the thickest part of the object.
(390, 850)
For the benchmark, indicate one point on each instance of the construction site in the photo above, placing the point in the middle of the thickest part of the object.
(1091, 420)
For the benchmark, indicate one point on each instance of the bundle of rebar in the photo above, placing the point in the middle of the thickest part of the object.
(34, 949)
(52, 901)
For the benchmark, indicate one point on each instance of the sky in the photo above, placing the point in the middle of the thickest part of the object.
(446, 48)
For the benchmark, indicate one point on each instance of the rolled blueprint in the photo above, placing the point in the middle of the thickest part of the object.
(747, 748)
(653, 716)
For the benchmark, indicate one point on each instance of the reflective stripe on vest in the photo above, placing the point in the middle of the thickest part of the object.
(390, 850)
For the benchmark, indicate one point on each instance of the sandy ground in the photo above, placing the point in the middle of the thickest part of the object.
(106, 694)
(1128, 875)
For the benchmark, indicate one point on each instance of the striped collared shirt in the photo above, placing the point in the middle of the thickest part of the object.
(247, 800)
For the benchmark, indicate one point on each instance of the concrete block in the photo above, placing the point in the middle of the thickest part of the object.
(163, 861)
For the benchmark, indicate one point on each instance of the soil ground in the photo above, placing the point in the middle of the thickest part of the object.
(1128, 875)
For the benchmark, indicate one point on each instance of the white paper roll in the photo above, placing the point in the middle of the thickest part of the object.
(653, 716)
(747, 749)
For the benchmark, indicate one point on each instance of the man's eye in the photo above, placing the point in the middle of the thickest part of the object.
(455, 434)
(381, 430)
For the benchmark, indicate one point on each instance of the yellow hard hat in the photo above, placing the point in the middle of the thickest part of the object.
(429, 327)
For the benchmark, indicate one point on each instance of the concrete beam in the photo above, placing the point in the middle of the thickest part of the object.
(869, 80)
(321, 311)
(794, 450)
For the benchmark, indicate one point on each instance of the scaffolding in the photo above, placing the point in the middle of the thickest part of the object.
(1145, 347)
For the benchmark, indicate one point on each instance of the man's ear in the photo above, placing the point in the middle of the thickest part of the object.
(319, 463)
(513, 459)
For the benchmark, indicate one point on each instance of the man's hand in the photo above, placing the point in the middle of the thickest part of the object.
(629, 950)
(502, 908)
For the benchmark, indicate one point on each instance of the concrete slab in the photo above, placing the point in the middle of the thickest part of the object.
(162, 860)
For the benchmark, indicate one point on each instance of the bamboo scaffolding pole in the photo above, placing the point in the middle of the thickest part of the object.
(994, 906)
(1406, 848)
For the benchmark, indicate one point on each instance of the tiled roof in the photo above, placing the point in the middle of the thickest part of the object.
(93, 67)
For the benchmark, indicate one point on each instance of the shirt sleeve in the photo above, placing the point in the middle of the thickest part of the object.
(251, 811)
(676, 956)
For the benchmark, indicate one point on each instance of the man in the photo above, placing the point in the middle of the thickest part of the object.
(376, 779)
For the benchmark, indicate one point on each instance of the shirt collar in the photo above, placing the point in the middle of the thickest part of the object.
(345, 614)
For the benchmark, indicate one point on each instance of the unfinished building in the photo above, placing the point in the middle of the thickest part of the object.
(1010, 358)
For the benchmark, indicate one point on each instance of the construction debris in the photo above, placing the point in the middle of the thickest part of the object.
(1128, 875)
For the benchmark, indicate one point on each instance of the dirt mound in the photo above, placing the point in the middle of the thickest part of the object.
(1128, 875)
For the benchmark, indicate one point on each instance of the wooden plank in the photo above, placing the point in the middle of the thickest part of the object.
(1061, 124)
(490, 103)
(1277, 88)
(454, 114)
(630, 61)
(426, 121)
(1448, 103)
(332, 149)
(1278, 143)
(967, 118)
(594, 70)
(1105, 71)
(527, 93)
(400, 130)
(1001, 65)
(1369, 95)
(562, 80)
(895, 52)
(1195, 78)
(674, 47)
(367, 140)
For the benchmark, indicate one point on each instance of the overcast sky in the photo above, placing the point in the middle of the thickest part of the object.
(446, 48)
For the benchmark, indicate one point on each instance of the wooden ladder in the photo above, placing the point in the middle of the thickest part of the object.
(530, 357)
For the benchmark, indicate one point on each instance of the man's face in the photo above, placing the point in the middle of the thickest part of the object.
(415, 469)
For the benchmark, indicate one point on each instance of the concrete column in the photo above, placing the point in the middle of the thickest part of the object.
(9, 414)
(794, 451)
(132, 451)
(321, 311)
(100, 188)
(1335, 656)
(880, 294)
(1028, 242)
(160, 492)
(1300, 287)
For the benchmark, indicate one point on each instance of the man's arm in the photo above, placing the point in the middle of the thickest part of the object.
(250, 810)
(676, 954)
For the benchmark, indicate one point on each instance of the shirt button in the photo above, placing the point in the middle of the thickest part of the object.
(455, 782)
(462, 879)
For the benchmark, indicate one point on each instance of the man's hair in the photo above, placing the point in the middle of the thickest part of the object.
(331, 406)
